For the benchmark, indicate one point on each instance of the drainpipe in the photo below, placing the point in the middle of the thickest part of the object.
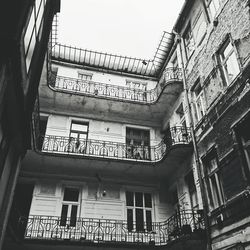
(195, 147)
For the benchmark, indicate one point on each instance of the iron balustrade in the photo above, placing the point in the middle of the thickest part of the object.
(105, 230)
(97, 89)
(109, 149)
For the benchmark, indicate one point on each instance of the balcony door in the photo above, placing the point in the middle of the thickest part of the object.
(139, 211)
(70, 207)
(78, 137)
(138, 142)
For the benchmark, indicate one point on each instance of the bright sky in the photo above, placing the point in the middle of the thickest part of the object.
(124, 27)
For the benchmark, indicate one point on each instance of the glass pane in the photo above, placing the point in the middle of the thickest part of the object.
(130, 219)
(29, 30)
(64, 213)
(30, 50)
(129, 199)
(232, 67)
(138, 199)
(139, 219)
(148, 200)
(73, 216)
(74, 135)
(71, 194)
(39, 17)
(227, 50)
(79, 127)
(214, 192)
(149, 220)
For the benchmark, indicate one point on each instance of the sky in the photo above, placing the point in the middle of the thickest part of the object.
(123, 27)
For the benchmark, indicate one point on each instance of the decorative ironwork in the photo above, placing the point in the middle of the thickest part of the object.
(115, 150)
(102, 230)
(107, 61)
(97, 89)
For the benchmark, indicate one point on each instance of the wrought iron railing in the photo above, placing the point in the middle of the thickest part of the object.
(109, 149)
(102, 90)
(103, 230)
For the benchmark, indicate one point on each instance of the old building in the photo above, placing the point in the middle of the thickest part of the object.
(215, 37)
(134, 153)
(25, 28)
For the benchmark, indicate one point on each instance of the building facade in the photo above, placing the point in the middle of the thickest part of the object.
(24, 37)
(140, 153)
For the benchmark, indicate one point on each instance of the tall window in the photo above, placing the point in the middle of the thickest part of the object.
(229, 62)
(70, 207)
(34, 30)
(243, 132)
(78, 136)
(189, 178)
(189, 41)
(199, 101)
(139, 211)
(213, 6)
(138, 141)
(213, 180)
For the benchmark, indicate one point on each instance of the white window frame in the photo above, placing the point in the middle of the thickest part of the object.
(84, 76)
(224, 60)
(144, 208)
(200, 111)
(70, 204)
(189, 43)
(214, 7)
(214, 184)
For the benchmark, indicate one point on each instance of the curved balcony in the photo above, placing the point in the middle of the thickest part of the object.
(69, 146)
(86, 230)
(116, 92)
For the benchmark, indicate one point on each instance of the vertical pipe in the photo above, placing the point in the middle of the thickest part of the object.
(195, 147)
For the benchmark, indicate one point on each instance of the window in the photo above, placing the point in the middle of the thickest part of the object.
(189, 41)
(199, 28)
(78, 137)
(189, 178)
(85, 76)
(213, 7)
(33, 31)
(213, 180)
(229, 62)
(42, 130)
(137, 141)
(70, 207)
(199, 102)
(139, 211)
(136, 85)
(243, 133)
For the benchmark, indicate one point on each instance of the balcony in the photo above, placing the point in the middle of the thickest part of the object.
(72, 147)
(96, 231)
(111, 102)
(116, 92)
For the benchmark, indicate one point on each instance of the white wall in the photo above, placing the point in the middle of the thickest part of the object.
(102, 77)
(48, 196)
(98, 130)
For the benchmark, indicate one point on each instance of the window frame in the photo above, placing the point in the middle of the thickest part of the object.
(142, 152)
(199, 98)
(70, 204)
(224, 59)
(85, 74)
(217, 10)
(146, 227)
(188, 42)
(213, 182)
